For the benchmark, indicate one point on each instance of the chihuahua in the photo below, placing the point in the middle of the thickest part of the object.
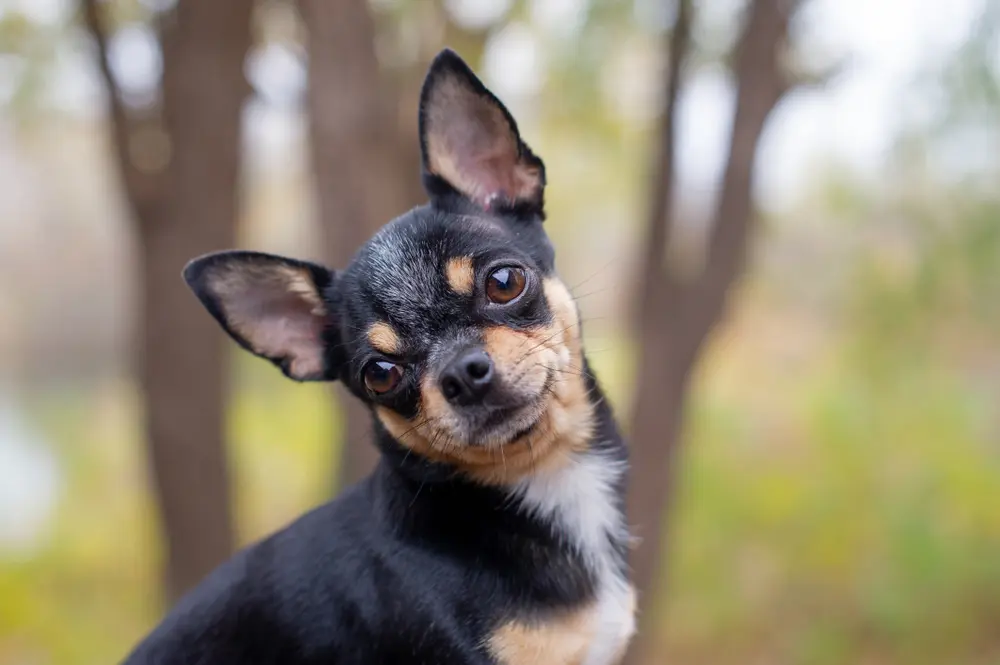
(492, 530)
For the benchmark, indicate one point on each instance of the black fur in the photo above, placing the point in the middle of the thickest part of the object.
(416, 564)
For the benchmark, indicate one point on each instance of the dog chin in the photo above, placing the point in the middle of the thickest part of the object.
(516, 423)
(506, 425)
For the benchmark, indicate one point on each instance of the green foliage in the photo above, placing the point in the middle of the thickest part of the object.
(867, 530)
(934, 291)
(93, 588)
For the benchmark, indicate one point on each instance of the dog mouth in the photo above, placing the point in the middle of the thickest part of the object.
(502, 425)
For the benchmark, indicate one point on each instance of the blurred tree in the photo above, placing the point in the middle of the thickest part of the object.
(364, 147)
(676, 313)
(179, 160)
(366, 168)
(351, 139)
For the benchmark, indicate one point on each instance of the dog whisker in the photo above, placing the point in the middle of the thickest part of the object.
(558, 332)
(417, 494)
(572, 289)
(591, 293)
(572, 371)
(409, 449)
(540, 346)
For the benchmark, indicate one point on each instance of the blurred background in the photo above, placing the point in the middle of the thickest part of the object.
(782, 220)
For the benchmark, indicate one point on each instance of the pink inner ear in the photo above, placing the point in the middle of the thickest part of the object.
(277, 311)
(289, 329)
(471, 145)
(521, 185)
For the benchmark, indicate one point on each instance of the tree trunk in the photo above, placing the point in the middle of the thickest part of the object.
(361, 179)
(658, 409)
(677, 316)
(660, 219)
(185, 368)
(184, 206)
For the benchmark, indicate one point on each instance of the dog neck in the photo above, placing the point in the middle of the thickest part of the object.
(574, 498)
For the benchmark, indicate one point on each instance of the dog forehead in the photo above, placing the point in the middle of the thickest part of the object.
(404, 266)
(403, 277)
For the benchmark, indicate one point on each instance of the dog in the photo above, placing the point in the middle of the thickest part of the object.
(492, 530)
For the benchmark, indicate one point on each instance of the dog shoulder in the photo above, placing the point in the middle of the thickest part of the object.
(207, 624)
(272, 601)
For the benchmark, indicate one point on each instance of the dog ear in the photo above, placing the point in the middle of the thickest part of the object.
(470, 143)
(272, 306)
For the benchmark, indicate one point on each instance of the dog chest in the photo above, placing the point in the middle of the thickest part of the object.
(595, 635)
(578, 500)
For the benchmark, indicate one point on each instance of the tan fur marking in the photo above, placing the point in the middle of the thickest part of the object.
(384, 338)
(527, 356)
(509, 349)
(460, 274)
(564, 311)
(560, 640)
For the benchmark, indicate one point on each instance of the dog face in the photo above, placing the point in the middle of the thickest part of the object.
(450, 322)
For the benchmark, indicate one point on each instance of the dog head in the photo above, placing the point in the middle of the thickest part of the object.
(450, 322)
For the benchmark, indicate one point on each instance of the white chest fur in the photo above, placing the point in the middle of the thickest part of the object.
(579, 500)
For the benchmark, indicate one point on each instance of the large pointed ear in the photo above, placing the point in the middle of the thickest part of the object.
(470, 142)
(272, 306)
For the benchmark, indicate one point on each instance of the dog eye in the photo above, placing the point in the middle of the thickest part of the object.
(505, 284)
(381, 376)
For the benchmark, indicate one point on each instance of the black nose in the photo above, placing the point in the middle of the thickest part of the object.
(467, 378)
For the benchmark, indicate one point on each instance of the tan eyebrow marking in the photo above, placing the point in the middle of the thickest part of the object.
(384, 338)
(460, 274)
